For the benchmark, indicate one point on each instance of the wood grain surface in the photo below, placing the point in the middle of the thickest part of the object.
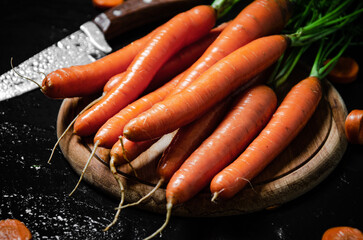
(305, 163)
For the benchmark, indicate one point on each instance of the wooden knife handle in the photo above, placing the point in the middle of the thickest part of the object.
(135, 13)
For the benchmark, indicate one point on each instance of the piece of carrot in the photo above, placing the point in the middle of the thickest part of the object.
(211, 87)
(342, 233)
(345, 71)
(288, 120)
(14, 229)
(180, 31)
(104, 4)
(249, 115)
(259, 18)
(354, 126)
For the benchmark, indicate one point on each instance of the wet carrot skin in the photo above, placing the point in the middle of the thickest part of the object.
(188, 138)
(212, 86)
(14, 229)
(157, 51)
(132, 150)
(110, 131)
(250, 112)
(288, 120)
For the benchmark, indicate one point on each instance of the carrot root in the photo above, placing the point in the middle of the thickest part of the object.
(169, 206)
(70, 125)
(157, 186)
(85, 167)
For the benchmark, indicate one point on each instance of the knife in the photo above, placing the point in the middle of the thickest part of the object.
(89, 43)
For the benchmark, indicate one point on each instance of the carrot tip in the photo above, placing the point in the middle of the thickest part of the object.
(214, 197)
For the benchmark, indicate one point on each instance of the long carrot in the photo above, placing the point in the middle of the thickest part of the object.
(211, 87)
(260, 18)
(178, 32)
(287, 121)
(83, 80)
(178, 63)
(250, 113)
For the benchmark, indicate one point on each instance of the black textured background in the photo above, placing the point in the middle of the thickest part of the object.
(37, 193)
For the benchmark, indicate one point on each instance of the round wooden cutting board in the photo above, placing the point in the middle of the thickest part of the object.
(304, 164)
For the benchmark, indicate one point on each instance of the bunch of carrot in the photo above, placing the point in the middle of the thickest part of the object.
(206, 83)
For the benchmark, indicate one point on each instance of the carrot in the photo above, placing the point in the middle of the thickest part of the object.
(354, 126)
(108, 134)
(178, 63)
(342, 233)
(103, 4)
(260, 18)
(14, 229)
(290, 117)
(83, 80)
(124, 151)
(211, 87)
(250, 113)
(178, 32)
(345, 71)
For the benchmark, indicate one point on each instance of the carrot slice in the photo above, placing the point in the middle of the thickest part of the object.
(342, 233)
(14, 229)
(354, 126)
(345, 71)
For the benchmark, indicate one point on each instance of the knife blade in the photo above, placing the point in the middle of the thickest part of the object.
(89, 43)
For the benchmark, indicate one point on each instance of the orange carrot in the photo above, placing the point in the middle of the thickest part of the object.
(188, 138)
(104, 4)
(109, 133)
(342, 233)
(128, 150)
(211, 87)
(345, 71)
(354, 126)
(260, 18)
(178, 32)
(290, 117)
(83, 80)
(250, 113)
(178, 63)
(14, 229)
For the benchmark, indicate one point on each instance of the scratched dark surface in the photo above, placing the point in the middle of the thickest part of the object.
(37, 193)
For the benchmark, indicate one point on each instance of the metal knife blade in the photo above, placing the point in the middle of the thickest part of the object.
(89, 43)
(81, 47)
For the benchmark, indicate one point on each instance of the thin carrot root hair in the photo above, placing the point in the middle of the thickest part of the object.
(215, 195)
(70, 125)
(122, 192)
(29, 79)
(85, 167)
(125, 157)
(169, 206)
(157, 186)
